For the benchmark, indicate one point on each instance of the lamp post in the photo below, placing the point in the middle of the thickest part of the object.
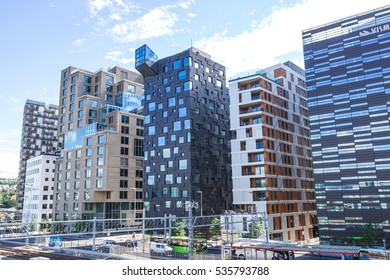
(28, 187)
(201, 202)
(384, 247)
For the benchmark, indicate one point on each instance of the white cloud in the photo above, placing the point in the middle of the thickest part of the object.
(117, 56)
(79, 42)
(158, 22)
(95, 6)
(191, 15)
(278, 35)
(186, 4)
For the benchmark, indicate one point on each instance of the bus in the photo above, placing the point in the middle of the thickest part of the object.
(180, 244)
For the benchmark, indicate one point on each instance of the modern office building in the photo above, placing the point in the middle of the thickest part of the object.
(348, 82)
(271, 153)
(187, 138)
(38, 195)
(99, 173)
(39, 136)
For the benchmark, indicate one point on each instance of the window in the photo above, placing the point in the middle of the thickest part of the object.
(123, 184)
(139, 173)
(187, 124)
(182, 75)
(187, 85)
(174, 192)
(166, 153)
(177, 126)
(123, 194)
(176, 64)
(124, 161)
(138, 147)
(92, 113)
(169, 179)
(187, 61)
(182, 112)
(124, 151)
(93, 103)
(161, 141)
(109, 79)
(124, 140)
(124, 172)
(100, 161)
(151, 130)
(125, 129)
(140, 122)
(125, 119)
(130, 88)
(171, 101)
(99, 172)
(101, 139)
(99, 184)
(151, 180)
(139, 132)
(152, 106)
(182, 164)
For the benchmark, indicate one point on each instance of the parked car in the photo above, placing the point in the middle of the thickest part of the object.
(160, 248)
(108, 243)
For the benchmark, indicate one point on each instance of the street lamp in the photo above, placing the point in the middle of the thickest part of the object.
(384, 247)
(201, 202)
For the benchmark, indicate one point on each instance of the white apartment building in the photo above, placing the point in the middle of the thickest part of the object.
(38, 195)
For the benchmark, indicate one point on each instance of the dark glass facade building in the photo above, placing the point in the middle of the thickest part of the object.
(187, 138)
(348, 82)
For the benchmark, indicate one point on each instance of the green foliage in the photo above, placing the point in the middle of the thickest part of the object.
(257, 228)
(215, 228)
(80, 226)
(44, 225)
(32, 225)
(6, 200)
(58, 228)
(370, 235)
(179, 231)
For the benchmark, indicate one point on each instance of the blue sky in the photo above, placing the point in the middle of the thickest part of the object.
(40, 38)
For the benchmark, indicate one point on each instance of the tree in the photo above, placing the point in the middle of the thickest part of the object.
(7, 201)
(178, 228)
(215, 228)
(44, 225)
(370, 235)
(80, 226)
(32, 225)
(257, 228)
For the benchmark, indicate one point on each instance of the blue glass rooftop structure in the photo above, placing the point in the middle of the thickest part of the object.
(146, 61)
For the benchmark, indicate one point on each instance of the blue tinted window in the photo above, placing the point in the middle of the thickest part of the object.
(182, 75)
(176, 64)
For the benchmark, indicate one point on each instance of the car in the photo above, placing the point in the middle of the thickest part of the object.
(108, 243)
(160, 248)
(131, 243)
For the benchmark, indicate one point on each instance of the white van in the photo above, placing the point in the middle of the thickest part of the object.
(160, 248)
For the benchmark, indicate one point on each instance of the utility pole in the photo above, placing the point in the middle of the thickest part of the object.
(170, 228)
(94, 234)
(189, 205)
